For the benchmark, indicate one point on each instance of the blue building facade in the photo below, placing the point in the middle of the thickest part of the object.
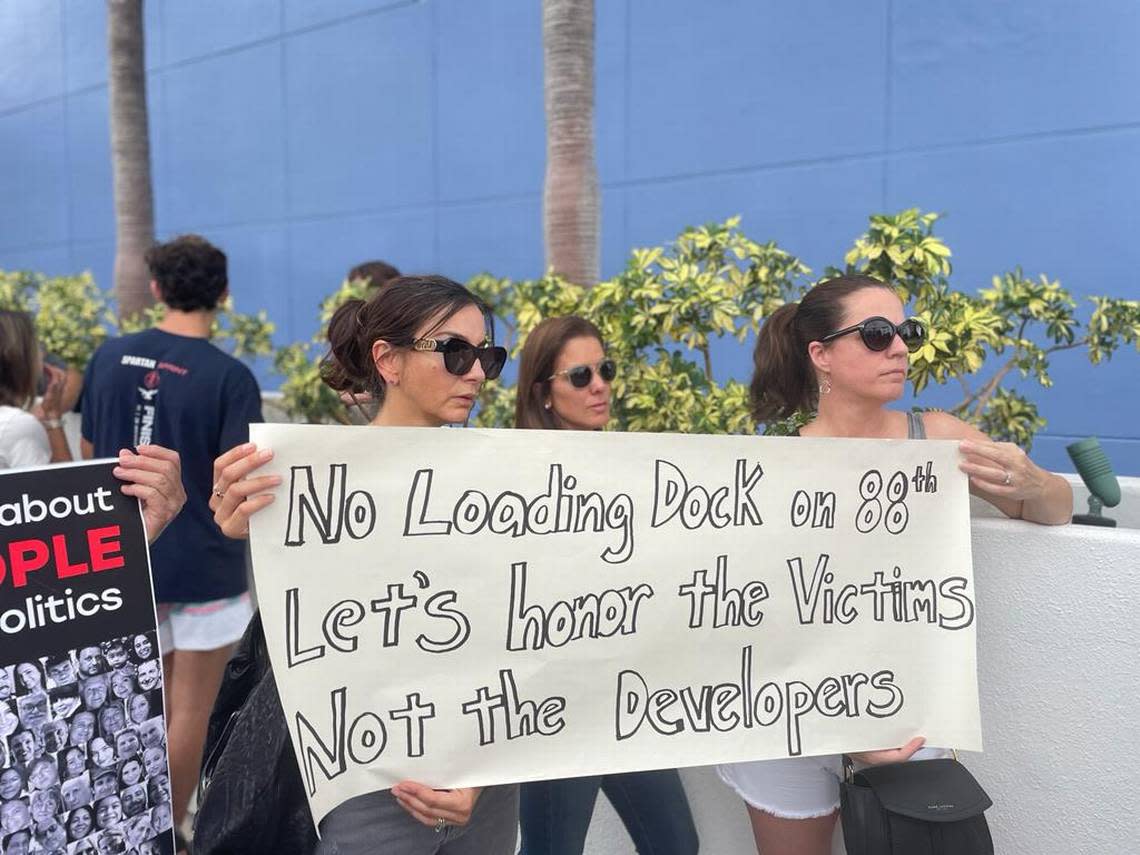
(306, 136)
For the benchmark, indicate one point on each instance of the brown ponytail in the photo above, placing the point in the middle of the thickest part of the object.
(783, 379)
(781, 384)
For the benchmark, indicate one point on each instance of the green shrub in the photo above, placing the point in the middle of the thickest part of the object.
(73, 317)
(661, 313)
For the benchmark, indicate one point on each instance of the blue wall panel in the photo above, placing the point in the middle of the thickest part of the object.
(309, 136)
(359, 106)
(31, 52)
(85, 42)
(813, 212)
(1061, 205)
(322, 251)
(34, 160)
(510, 231)
(754, 83)
(980, 69)
(611, 78)
(90, 182)
(302, 14)
(491, 123)
(194, 28)
(223, 141)
(48, 260)
(615, 246)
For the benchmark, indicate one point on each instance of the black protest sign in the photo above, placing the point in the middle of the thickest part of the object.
(82, 728)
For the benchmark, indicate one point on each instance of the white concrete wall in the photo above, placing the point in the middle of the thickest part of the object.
(1059, 676)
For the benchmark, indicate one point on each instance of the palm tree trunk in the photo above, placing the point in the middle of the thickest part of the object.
(130, 154)
(571, 202)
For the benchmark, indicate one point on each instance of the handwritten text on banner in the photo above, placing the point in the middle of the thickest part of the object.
(466, 607)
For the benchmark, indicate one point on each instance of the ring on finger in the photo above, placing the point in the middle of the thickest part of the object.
(1008, 477)
(440, 824)
(221, 494)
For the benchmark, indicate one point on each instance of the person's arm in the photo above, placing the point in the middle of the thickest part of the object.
(430, 806)
(1003, 475)
(60, 450)
(72, 388)
(50, 413)
(153, 475)
(890, 755)
(235, 496)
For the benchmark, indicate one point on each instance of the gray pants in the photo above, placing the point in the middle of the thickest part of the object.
(375, 823)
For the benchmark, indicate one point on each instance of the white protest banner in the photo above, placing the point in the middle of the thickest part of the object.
(470, 607)
(82, 731)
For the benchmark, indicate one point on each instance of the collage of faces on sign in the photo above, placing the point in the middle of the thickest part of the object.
(83, 751)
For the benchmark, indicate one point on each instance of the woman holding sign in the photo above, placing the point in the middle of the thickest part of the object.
(842, 352)
(564, 384)
(421, 347)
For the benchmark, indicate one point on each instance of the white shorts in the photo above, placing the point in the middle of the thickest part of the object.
(202, 626)
(796, 787)
(793, 788)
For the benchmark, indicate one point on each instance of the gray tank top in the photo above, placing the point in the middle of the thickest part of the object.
(915, 428)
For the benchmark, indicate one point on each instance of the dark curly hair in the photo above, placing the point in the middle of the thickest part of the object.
(376, 272)
(190, 273)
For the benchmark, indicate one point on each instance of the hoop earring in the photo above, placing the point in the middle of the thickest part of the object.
(825, 386)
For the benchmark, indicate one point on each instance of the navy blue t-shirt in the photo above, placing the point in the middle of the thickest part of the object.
(183, 393)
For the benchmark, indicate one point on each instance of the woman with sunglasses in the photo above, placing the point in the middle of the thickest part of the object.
(564, 383)
(422, 347)
(841, 352)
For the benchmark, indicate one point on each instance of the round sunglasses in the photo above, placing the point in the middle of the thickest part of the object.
(459, 355)
(878, 333)
(581, 375)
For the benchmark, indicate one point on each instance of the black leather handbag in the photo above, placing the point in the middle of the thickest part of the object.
(924, 807)
(250, 795)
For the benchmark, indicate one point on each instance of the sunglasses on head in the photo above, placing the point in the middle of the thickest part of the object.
(581, 375)
(459, 355)
(878, 333)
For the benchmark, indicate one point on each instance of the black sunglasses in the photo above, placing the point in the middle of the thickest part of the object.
(460, 355)
(581, 375)
(878, 333)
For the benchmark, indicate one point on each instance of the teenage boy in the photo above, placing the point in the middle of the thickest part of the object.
(170, 386)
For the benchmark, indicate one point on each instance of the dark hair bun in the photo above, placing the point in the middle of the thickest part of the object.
(347, 367)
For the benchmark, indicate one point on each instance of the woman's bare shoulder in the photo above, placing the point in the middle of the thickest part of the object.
(943, 425)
